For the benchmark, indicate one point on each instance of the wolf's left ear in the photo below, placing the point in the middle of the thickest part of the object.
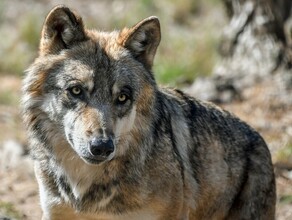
(62, 29)
(142, 40)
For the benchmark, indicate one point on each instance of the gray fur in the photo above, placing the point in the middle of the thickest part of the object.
(175, 157)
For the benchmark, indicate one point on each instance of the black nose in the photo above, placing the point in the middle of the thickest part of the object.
(99, 147)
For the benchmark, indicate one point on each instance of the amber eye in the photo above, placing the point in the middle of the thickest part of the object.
(75, 91)
(122, 98)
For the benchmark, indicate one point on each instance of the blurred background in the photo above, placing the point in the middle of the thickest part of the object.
(236, 53)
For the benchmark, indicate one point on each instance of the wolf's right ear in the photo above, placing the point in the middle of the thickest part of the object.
(62, 29)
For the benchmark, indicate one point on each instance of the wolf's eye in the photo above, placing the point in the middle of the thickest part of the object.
(122, 98)
(75, 91)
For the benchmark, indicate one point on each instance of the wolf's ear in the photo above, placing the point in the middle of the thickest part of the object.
(62, 29)
(142, 40)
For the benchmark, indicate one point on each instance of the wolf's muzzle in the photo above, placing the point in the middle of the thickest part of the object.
(101, 148)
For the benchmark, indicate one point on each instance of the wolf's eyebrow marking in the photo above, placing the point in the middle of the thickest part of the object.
(126, 89)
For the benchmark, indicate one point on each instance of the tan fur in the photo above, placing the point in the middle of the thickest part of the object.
(108, 143)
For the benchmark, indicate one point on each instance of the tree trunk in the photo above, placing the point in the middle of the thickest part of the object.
(264, 19)
(256, 44)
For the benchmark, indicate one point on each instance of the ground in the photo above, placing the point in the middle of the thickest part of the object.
(19, 191)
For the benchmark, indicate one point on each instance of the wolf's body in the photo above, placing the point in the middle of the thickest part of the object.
(109, 144)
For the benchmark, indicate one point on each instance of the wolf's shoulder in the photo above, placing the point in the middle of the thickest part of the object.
(206, 116)
(177, 98)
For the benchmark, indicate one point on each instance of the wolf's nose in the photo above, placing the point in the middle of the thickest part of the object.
(99, 147)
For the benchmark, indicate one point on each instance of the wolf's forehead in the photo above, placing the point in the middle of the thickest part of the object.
(92, 75)
(78, 71)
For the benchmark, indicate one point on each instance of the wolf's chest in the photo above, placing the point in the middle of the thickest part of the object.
(88, 188)
(108, 200)
(81, 188)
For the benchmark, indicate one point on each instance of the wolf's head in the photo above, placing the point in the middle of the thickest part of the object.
(91, 89)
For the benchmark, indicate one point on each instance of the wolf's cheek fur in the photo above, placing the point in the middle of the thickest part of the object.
(72, 137)
(123, 127)
(52, 107)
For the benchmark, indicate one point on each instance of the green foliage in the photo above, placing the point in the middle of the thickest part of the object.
(8, 98)
(187, 49)
(185, 9)
(172, 74)
(1, 11)
(30, 29)
(8, 209)
(287, 199)
(14, 59)
(18, 51)
(285, 154)
(179, 63)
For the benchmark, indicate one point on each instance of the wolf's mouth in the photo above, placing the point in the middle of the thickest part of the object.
(97, 159)
(94, 160)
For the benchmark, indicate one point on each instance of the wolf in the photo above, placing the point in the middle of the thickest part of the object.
(109, 143)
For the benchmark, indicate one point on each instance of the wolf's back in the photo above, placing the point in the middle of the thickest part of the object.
(227, 159)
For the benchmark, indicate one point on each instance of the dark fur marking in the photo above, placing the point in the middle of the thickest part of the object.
(37, 128)
(64, 185)
(167, 125)
(191, 110)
